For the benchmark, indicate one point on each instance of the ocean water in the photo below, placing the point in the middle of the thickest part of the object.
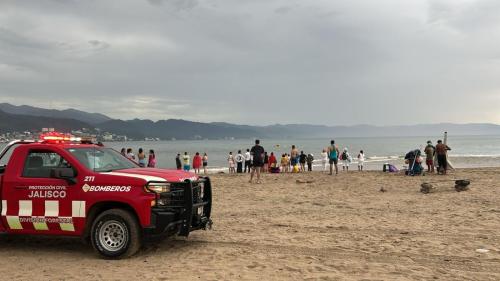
(467, 151)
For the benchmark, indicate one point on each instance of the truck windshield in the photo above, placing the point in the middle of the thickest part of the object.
(101, 159)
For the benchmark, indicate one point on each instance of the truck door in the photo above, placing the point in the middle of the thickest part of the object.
(36, 202)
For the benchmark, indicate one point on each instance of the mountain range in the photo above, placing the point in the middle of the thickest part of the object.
(22, 118)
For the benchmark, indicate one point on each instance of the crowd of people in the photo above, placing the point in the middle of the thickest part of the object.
(183, 162)
(294, 162)
(257, 160)
(436, 159)
(140, 159)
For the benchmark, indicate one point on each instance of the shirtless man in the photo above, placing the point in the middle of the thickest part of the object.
(333, 155)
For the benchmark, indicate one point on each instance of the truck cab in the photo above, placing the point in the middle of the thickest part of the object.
(62, 185)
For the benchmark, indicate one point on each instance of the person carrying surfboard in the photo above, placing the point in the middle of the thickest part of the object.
(441, 151)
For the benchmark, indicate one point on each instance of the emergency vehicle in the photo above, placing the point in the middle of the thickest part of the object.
(63, 185)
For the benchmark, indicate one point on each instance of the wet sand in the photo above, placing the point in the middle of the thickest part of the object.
(335, 228)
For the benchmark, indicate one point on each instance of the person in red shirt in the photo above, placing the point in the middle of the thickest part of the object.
(197, 163)
(272, 162)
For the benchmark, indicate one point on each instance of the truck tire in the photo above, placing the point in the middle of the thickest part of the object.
(116, 234)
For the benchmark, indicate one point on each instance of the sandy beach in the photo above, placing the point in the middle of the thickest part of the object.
(333, 228)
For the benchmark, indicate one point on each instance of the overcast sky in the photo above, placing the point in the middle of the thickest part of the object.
(327, 62)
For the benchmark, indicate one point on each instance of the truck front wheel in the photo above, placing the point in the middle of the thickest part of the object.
(116, 234)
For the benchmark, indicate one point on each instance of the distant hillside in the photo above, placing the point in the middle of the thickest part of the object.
(91, 118)
(33, 118)
(20, 123)
(173, 128)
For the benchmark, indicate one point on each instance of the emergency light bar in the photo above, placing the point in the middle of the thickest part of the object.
(60, 138)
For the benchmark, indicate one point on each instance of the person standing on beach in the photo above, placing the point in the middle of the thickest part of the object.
(324, 159)
(248, 161)
(283, 163)
(302, 161)
(345, 160)
(205, 163)
(266, 162)
(178, 162)
(239, 162)
(310, 160)
(441, 150)
(273, 163)
(230, 160)
(185, 160)
(130, 154)
(151, 159)
(294, 157)
(333, 155)
(361, 160)
(197, 163)
(430, 151)
(257, 153)
(141, 156)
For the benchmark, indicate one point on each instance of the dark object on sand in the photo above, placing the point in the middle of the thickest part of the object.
(389, 168)
(304, 181)
(426, 188)
(382, 189)
(462, 185)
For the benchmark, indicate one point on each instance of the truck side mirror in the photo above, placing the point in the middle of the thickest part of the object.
(67, 174)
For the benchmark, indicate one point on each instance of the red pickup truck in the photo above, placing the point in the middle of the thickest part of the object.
(62, 185)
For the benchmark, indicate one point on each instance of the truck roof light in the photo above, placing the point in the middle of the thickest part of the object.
(55, 137)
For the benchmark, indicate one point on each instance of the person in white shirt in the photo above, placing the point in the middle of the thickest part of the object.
(361, 160)
(239, 162)
(324, 159)
(248, 161)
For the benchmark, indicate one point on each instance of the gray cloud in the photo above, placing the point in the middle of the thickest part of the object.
(256, 62)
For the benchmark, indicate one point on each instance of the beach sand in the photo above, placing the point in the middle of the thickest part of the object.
(336, 228)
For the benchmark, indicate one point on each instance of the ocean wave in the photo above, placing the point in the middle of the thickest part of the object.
(474, 155)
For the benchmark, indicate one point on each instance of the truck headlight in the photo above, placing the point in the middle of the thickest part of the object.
(158, 187)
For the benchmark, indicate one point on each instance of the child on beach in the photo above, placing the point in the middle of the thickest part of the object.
(361, 160)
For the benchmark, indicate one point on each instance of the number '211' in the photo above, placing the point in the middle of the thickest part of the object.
(89, 178)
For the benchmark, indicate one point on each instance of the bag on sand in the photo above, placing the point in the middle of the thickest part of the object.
(295, 169)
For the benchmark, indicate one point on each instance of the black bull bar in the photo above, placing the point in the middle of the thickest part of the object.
(186, 207)
(197, 196)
